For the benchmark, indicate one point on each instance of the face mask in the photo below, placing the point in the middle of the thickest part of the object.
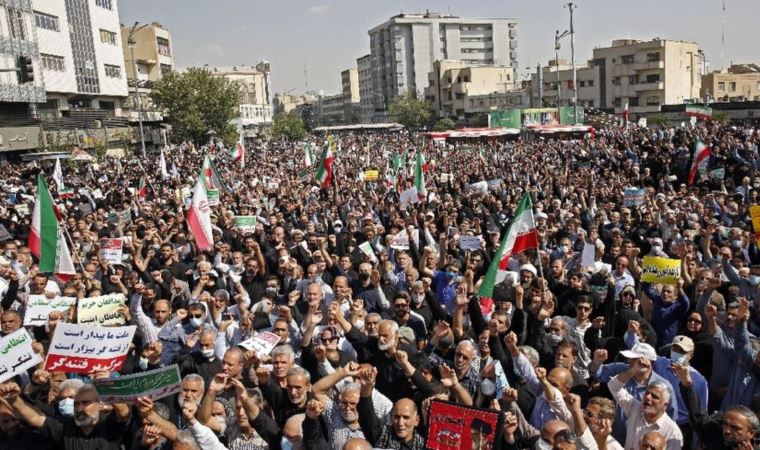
(364, 276)
(451, 276)
(207, 353)
(563, 248)
(285, 444)
(487, 387)
(737, 243)
(678, 358)
(143, 363)
(754, 280)
(418, 299)
(66, 407)
(555, 338)
(272, 290)
(196, 322)
(338, 228)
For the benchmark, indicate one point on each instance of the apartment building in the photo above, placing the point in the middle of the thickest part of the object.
(740, 82)
(349, 81)
(556, 81)
(153, 51)
(255, 103)
(404, 48)
(366, 88)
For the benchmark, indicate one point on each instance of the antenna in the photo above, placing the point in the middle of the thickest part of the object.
(723, 34)
(305, 77)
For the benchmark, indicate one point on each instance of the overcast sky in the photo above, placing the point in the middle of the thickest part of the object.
(328, 35)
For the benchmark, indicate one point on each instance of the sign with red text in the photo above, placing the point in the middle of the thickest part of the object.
(87, 349)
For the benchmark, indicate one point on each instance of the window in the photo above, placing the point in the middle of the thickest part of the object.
(163, 47)
(112, 71)
(165, 69)
(52, 62)
(633, 79)
(651, 57)
(653, 100)
(107, 37)
(633, 101)
(582, 83)
(653, 78)
(16, 23)
(466, 78)
(732, 86)
(590, 83)
(618, 102)
(616, 81)
(721, 86)
(103, 3)
(46, 21)
(627, 59)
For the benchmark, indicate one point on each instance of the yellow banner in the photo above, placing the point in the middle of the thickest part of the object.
(660, 270)
(754, 213)
(371, 175)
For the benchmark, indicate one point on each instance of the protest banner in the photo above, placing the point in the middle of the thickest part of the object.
(111, 250)
(409, 196)
(480, 186)
(39, 307)
(246, 224)
(633, 196)
(494, 184)
(589, 255)
(754, 214)
(102, 310)
(660, 270)
(718, 174)
(455, 427)
(371, 175)
(154, 384)
(400, 241)
(213, 197)
(262, 343)
(469, 242)
(87, 349)
(16, 354)
(366, 248)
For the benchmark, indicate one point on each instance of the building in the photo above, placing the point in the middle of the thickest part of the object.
(647, 74)
(349, 82)
(560, 73)
(255, 103)
(404, 48)
(331, 110)
(460, 91)
(82, 61)
(285, 103)
(153, 51)
(366, 89)
(740, 82)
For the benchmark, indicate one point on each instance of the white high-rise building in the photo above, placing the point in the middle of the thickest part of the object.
(17, 38)
(405, 47)
(366, 88)
(81, 56)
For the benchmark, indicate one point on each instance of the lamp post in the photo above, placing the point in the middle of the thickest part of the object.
(571, 6)
(557, 37)
(131, 42)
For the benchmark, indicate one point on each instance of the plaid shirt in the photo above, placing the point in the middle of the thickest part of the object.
(471, 380)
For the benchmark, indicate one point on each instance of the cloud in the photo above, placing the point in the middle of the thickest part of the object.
(319, 9)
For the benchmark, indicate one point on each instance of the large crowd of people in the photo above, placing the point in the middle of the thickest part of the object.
(376, 303)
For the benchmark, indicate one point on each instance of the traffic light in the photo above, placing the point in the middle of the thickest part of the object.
(25, 69)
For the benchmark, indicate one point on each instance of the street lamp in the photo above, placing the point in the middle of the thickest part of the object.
(571, 6)
(557, 37)
(131, 43)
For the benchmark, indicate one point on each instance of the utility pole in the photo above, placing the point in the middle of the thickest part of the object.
(557, 37)
(571, 6)
(131, 42)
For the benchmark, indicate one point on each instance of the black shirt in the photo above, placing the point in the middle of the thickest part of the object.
(65, 434)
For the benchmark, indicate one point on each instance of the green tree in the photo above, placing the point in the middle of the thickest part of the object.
(410, 111)
(444, 124)
(196, 102)
(658, 120)
(288, 126)
(722, 117)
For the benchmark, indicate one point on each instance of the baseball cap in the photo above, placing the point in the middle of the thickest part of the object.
(684, 342)
(640, 351)
(406, 333)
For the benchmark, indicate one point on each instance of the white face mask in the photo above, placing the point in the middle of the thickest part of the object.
(143, 363)
(418, 299)
(287, 445)
(196, 322)
(207, 353)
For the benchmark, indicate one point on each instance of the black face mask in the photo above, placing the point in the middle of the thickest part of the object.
(364, 276)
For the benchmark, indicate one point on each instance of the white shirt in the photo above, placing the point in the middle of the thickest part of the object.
(637, 426)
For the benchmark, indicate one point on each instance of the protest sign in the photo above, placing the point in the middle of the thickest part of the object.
(494, 184)
(660, 270)
(111, 250)
(246, 224)
(588, 256)
(16, 354)
(39, 307)
(455, 427)
(371, 175)
(400, 241)
(481, 186)
(469, 242)
(754, 213)
(154, 384)
(633, 196)
(366, 248)
(213, 196)
(718, 174)
(86, 349)
(409, 196)
(22, 209)
(262, 343)
(102, 310)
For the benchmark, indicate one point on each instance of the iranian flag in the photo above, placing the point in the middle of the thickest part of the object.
(520, 236)
(142, 188)
(65, 193)
(419, 174)
(325, 172)
(701, 158)
(199, 217)
(700, 112)
(209, 176)
(46, 240)
(162, 164)
(238, 152)
(308, 157)
(625, 114)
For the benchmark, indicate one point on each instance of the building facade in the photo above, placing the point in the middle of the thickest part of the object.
(366, 88)
(560, 75)
(740, 82)
(404, 48)
(18, 36)
(153, 52)
(458, 90)
(255, 104)
(81, 55)
(349, 81)
(331, 110)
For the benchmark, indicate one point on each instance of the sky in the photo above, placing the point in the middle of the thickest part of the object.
(326, 36)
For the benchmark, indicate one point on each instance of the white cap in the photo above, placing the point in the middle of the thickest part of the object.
(640, 351)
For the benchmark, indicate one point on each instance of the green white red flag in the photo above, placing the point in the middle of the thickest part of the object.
(199, 217)
(46, 239)
(238, 152)
(520, 236)
(420, 167)
(701, 159)
(142, 188)
(209, 175)
(325, 172)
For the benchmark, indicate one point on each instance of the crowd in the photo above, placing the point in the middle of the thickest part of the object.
(374, 329)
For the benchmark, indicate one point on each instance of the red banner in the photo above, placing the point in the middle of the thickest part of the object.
(75, 364)
(455, 427)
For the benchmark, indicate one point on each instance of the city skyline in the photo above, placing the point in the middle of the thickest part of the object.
(326, 37)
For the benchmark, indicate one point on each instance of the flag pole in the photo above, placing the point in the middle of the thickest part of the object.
(71, 241)
(147, 179)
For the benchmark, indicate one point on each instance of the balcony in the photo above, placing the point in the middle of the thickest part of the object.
(654, 86)
(623, 70)
(650, 65)
(459, 88)
(626, 90)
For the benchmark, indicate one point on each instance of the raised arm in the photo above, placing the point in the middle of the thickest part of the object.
(322, 387)
(11, 393)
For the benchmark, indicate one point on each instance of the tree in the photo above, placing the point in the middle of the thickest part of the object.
(444, 124)
(658, 120)
(722, 117)
(288, 126)
(197, 102)
(410, 111)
